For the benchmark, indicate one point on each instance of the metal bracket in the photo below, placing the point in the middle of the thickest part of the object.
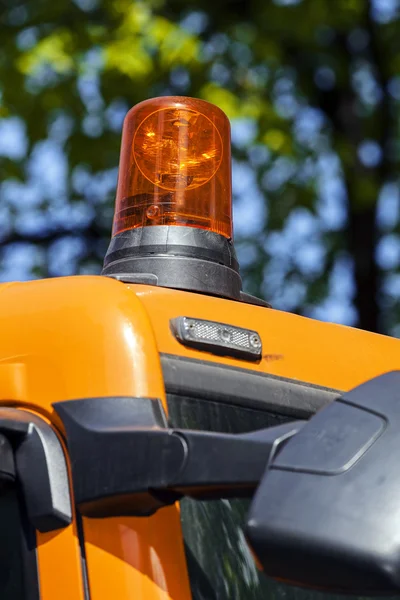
(125, 461)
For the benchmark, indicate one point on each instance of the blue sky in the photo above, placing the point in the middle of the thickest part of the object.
(300, 239)
(298, 243)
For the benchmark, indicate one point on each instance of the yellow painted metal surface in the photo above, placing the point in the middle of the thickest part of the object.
(137, 558)
(76, 337)
(295, 347)
(59, 565)
(85, 337)
(59, 560)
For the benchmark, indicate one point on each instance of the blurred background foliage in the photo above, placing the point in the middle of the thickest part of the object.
(312, 88)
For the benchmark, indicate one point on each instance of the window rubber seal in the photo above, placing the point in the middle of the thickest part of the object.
(244, 387)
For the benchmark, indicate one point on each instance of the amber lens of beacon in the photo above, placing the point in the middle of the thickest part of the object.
(175, 167)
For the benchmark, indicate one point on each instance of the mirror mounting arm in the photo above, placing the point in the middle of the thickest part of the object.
(126, 461)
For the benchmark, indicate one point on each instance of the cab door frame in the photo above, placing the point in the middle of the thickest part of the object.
(52, 564)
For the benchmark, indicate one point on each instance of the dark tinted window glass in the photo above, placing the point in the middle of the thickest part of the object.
(11, 565)
(219, 562)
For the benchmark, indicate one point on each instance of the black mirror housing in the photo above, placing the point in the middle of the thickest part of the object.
(327, 512)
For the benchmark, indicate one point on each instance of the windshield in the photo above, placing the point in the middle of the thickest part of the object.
(13, 566)
(219, 561)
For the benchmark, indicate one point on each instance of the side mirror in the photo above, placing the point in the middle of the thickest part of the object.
(327, 512)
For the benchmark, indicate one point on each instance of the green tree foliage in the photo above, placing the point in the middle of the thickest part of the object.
(311, 86)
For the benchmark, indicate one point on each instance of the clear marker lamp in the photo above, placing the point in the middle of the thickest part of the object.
(173, 215)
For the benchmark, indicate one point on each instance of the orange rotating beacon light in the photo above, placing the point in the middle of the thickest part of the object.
(173, 217)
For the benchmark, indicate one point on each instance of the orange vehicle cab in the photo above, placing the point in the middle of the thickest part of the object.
(128, 399)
